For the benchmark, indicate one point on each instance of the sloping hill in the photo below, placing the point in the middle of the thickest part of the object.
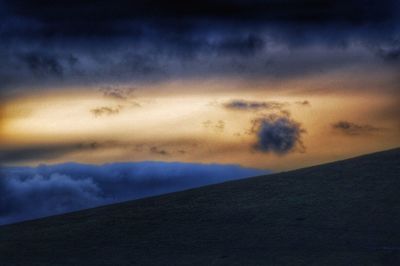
(342, 213)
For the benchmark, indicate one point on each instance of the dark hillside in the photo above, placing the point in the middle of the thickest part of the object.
(342, 213)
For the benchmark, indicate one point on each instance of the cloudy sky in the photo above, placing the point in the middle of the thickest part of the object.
(105, 101)
(264, 84)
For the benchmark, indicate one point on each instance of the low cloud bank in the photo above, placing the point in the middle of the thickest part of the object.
(33, 192)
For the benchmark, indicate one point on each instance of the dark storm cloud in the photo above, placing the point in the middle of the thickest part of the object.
(244, 105)
(353, 129)
(278, 134)
(27, 193)
(117, 41)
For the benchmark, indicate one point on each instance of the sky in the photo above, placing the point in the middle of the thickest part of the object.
(267, 84)
(255, 86)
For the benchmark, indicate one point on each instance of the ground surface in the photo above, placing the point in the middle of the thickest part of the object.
(343, 213)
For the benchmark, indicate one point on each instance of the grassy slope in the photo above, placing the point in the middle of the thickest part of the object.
(343, 213)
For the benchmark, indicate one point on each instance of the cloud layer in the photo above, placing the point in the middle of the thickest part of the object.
(27, 193)
(143, 41)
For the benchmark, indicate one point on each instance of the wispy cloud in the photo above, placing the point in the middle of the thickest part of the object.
(245, 105)
(303, 103)
(157, 150)
(52, 151)
(106, 110)
(117, 93)
(216, 126)
(42, 152)
(354, 129)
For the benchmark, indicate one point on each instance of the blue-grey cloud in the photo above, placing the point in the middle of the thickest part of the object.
(278, 134)
(32, 192)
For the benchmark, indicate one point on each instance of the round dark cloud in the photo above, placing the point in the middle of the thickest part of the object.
(279, 135)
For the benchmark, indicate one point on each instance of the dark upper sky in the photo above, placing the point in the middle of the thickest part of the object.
(180, 21)
(102, 14)
(68, 42)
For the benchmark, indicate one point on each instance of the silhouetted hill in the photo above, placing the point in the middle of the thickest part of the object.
(342, 213)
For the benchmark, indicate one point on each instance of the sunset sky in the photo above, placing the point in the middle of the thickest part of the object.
(108, 101)
(265, 84)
